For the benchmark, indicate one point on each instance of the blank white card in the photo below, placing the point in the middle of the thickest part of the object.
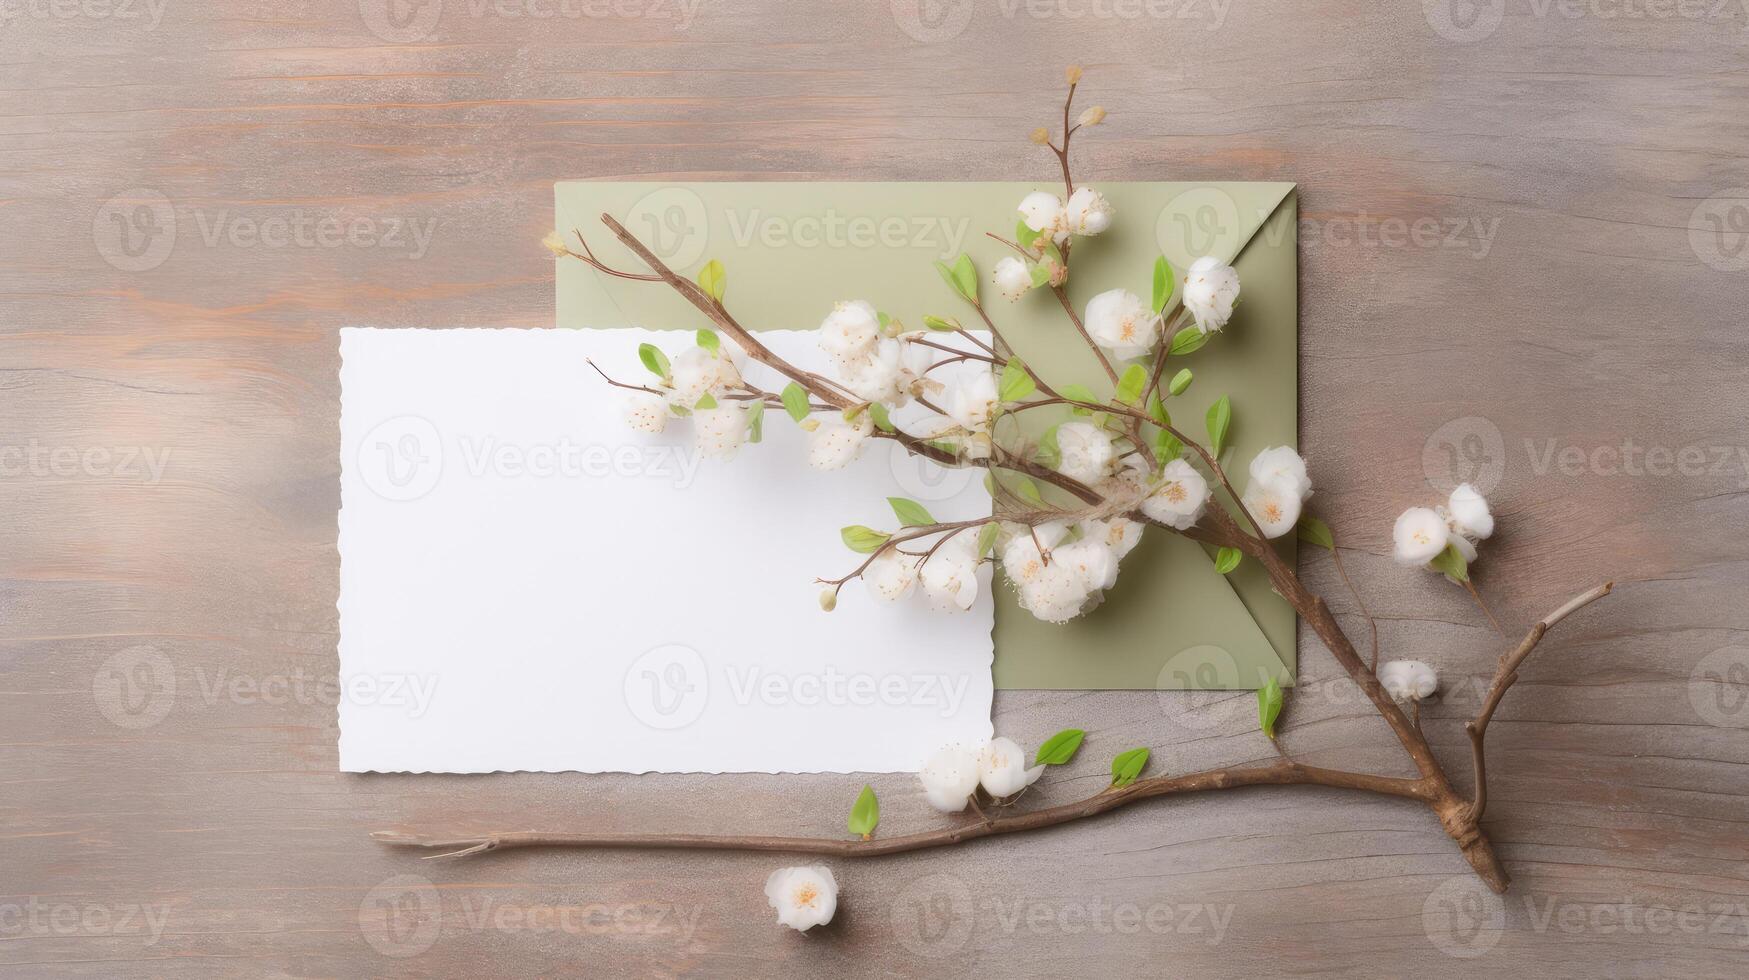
(528, 584)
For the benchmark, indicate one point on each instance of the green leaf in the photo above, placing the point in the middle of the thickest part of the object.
(1016, 383)
(1167, 447)
(865, 813)
(1028, 491)
(795, 401)
(1157, 410)
(987, 537)
(1129, 387)
(1188, 341)
(1219, 419)
(1040, 274)
(910, 513)
(1452, 564)
(708, 340)
(1127, 766)
(1080, 393)
(1228, 559)
(862, 540)
(654, 359)
(966, 275)
(1163, 284)
(883, 320)
(712, 279)
(706, 401)
(882, 420)
(1059, 748)
(1317, 532)
(1049, 453)
(941, 323)
(1269, 706)
(1023, 235)
(1179, 382)
(756, 420)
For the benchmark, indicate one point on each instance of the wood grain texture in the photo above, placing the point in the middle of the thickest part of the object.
(1594, 307)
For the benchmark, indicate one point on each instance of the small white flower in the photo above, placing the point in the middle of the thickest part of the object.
(1283, 469)
(1063, 588)
(1121, 323)
(1088, 212)
(1179, 499)
(1210, 290)
(1470, 516)
(877, 375)
(1085, 452)
(850, 331)
(1420, 535)
(1120, 534)
(1043, 212)
(972, 401)
(1002, 768)
(891, 576)
(1408, 680)
(950, 576)
(1012, 277)
(836, 442)
(1276, 510)
(698, 372)
(950, 777)
(1464, 546)
(1092, 559)
(721, 430)
(804, 897)
(646, 413)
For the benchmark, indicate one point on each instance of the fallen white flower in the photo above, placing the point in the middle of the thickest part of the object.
(1085, 452)
(1012, 277)
(1120, 322)
(804, 897)
(1210, 290)
(646, 413)
(1275, 509)
(1088, 212)
(950, 777)
(1408, 680)
(1470, 516)
(1002, 768)
(1419, 536)
(721, 430)
(1283, 469)
(1180, 497)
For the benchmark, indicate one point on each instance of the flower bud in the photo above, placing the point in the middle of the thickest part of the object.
(828, 600)
(555, 244)
(1073, 74)
(1041, 136)
(1092, 116)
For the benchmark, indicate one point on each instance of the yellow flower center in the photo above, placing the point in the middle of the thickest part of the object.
(806, 894)
(1272, 512)
(1174, 493)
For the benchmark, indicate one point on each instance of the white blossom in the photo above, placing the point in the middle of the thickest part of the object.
(850, 331)
(721, 430)
(1283, 469)
(1090, 558)
(1210, 290)
(972, 401)
(698, 372)
(1088, 212)
(1043, 212)
(804, 897)
(1276, 510)
(1060, 589)
(1002, 768)
(950, 576)
(1012, 277)
(891, 576)
(950, 777)
(1119, 321)
(1470, 516)
(835, 443)
(646, 413)
(1179, 498)
(1120, 534)
(1420, 535)
(877, 375)
(1085, 452)
(1408, 680)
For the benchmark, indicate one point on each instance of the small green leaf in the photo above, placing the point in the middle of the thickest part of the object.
(862, 540)
(1163, 284)
(1129, 387)
(1220, 417)
(795, 401)
(1269, 706)
(1049, 453)
(1023, 235)
(1016, 383)
(1127, 766)
(1167, 447)
(1028, 491)
(910, 513)
(1317, 532)
(882, 420)
(708, 340)
(1157, 410)
(987, 536)
(883, 320)
(712, 279)
(1179, 382)
(654, 359)
(966, 275)
(1228, 559)
(1040, 274)
(706, 401)
(1059, 748)
(1452, 564)
(1080, 393)
(1188, 341)
(941, 323)
(865, 813)
(756, 420)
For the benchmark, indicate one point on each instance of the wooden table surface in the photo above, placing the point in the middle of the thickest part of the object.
(1524, 256)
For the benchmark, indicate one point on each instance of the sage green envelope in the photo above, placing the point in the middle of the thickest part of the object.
(792, 250)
